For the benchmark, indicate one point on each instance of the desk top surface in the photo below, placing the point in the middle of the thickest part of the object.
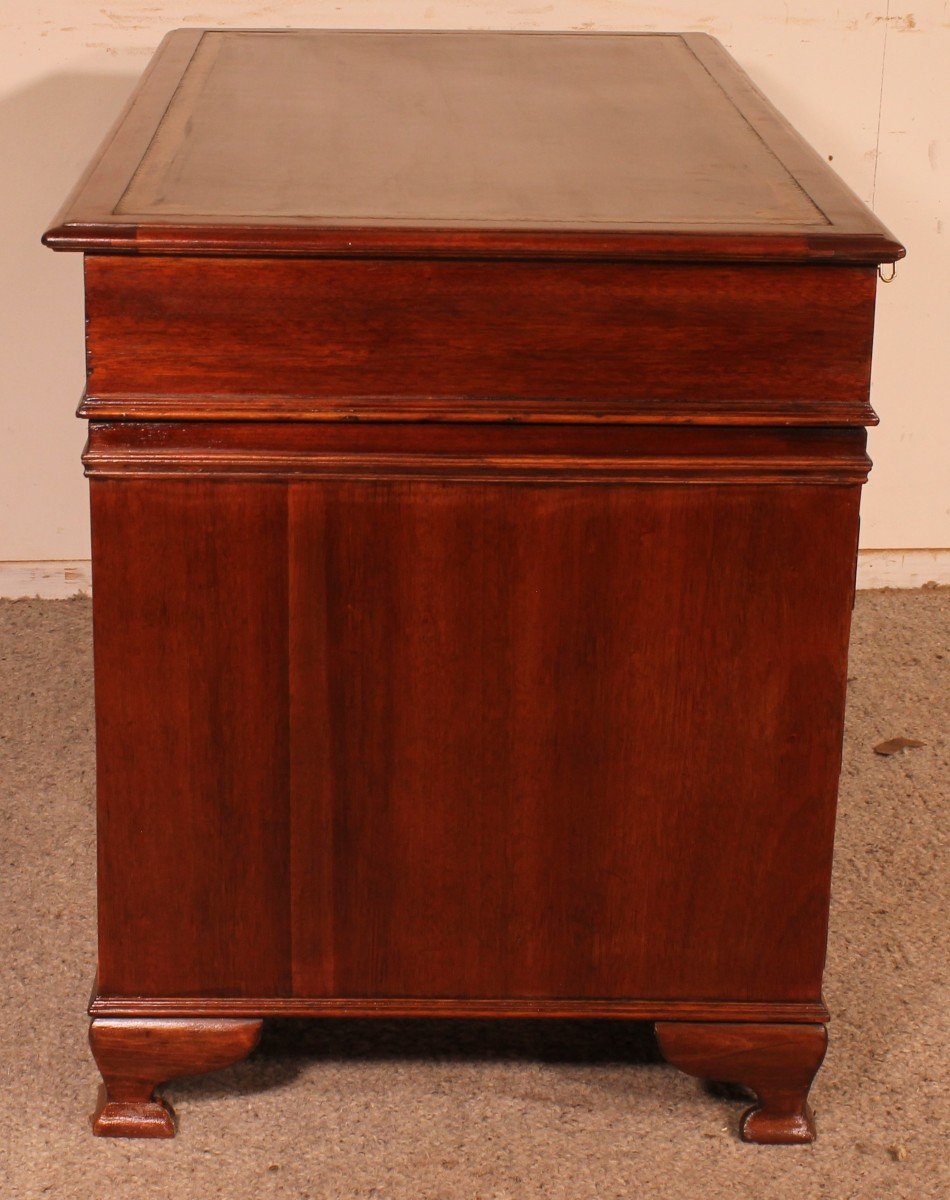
(509, 144)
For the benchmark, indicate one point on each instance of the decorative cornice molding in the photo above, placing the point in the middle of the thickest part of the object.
(485, 409)
(294, 1006)
(506, 453)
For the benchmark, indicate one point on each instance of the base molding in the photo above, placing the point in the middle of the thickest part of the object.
(774, 1057)
(400, 1006)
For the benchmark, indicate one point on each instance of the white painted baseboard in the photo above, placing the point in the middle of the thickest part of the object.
(876, 569)
(45, 580)
(903, 568)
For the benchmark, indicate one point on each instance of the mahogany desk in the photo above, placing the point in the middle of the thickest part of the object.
(476, 436)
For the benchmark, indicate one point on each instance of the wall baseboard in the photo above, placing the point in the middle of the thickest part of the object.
(903, 568)
(61, 580)
(58, 580)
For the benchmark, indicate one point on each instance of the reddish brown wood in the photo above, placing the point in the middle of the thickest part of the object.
(137, 1056)
(475, 1008)
(191, 724)
(356, 335)
(471, 593)
(700, 410)
(777, 1062)
(498, 738)
(715, 142)
(456, 452)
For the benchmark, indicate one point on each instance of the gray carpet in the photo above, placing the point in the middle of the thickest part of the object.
(438, 1111)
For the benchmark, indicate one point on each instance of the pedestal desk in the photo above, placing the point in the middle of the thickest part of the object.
(476, 436)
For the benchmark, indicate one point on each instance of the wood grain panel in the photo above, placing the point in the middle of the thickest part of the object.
(523, 767)
(508, 736)
(190, 610)
(350, 335)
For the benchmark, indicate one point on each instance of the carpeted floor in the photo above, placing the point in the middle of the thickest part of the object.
(437, 1111)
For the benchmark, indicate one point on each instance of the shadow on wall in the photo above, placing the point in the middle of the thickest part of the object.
(48, 133)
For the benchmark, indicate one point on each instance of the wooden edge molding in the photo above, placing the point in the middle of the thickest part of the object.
(462, 471)
(511, 469)
(250, 239)
(402, 409)
(400, 1006)
(448, 452)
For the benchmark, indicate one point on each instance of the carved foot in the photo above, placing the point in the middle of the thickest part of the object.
(136, 1055)
(777, 1062)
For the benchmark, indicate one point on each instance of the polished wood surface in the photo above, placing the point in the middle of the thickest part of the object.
(777, 1062)
(530, 143)
(448, 783)
(474, 536)
(621, 1009)
(319, 339)
(465, 452)
(136, 1057)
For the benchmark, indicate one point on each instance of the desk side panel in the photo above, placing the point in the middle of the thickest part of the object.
(456, 736)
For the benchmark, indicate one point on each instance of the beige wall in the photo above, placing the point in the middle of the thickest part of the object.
(864, 80)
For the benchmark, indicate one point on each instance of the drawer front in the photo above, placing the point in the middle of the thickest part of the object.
(310, 338)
